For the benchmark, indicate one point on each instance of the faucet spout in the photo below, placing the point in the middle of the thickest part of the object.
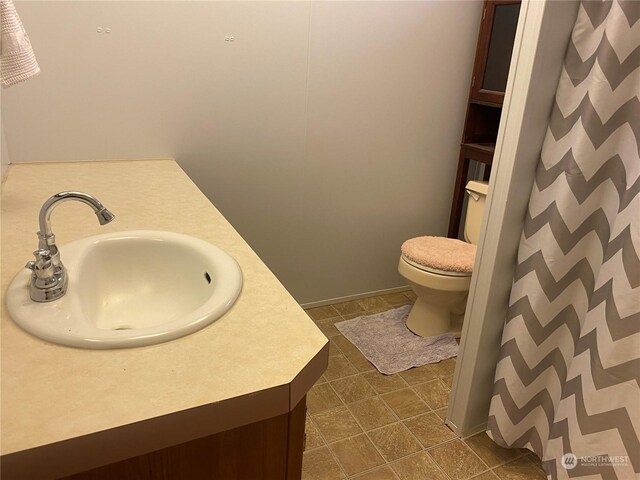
(49, 277)
(104, 215)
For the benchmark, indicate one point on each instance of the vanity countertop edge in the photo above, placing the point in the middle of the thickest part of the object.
(66, 410)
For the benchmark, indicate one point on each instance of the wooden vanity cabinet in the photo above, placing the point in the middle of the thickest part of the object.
(270, 449)
(484, 107)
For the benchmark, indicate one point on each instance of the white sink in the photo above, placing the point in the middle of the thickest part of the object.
(129, 289)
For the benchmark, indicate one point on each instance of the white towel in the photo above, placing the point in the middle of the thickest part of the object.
(17, 61)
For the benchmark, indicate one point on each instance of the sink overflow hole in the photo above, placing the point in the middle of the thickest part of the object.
(123, 328)
(207, 277)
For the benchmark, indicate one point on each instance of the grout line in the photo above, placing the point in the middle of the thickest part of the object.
(439, 467)
(364, 472)
(326, 445)
(476, 455)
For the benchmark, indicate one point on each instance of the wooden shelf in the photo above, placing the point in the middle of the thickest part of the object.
(484, 107)
(481, 147)
(486, 104)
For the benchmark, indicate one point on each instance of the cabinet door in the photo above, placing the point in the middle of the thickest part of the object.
(495, 45)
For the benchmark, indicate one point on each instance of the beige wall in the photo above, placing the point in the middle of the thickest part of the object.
(4, 153)
(327, 132)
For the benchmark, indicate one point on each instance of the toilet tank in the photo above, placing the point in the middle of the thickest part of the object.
(477, 193)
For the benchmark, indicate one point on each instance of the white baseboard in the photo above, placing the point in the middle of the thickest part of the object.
(329, 301)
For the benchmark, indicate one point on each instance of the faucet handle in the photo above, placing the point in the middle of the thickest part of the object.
(42, 267)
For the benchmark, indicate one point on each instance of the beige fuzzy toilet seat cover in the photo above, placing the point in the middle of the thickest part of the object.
(440, 253)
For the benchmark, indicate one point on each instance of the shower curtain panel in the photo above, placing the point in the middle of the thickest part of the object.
(567, 379)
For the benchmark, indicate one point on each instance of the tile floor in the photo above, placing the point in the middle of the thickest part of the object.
(368, 426)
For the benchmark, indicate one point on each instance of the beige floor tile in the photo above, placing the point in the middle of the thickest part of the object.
(486, 476)
(435, 393)
(457, 460)
(328, 326)
(339, 366)
(444, 368)
(396, 299)
(405, 403)
(350, 316)
(348, 308)
(417, 375)
(382, 473)
(359, 361)
(336, 424)
(520, 469)
(448, 381)
(429, 429)
(394, 441)
(333, 347)
(442, 412)
(319, 464)
(372, 413)
(489, 452)
(321, 398)
(312, 436)
(374, 304)
(344, 344)
(349, 350)
(418, 467)
(356, 454)
(532, 458)
(410, 295)
(384, 383)
(352, 389)
(320, 313)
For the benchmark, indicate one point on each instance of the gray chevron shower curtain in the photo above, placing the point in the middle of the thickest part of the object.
(567, 379)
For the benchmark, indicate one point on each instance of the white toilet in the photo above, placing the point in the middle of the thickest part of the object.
(438, 269)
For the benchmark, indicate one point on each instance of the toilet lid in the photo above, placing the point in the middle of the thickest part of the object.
(440, 253)
(444, 273)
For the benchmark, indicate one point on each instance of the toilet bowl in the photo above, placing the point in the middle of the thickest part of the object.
(439, 271)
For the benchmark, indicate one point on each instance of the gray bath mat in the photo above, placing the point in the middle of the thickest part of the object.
(387, 342)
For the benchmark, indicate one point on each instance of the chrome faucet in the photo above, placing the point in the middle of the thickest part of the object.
(49, 277)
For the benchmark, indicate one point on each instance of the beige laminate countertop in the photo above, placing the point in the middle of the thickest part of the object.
(65, 410)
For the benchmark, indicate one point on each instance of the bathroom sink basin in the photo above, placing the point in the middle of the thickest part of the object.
(129, 289)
